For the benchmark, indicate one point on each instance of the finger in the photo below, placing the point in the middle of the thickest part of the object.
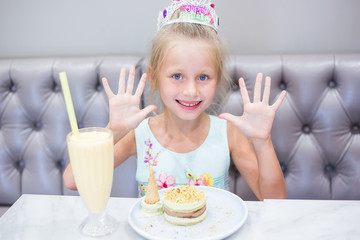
(122, 80)
(267, 88)
(228, 117)
(257, 88)
(130, 83)
(147, 110)
(278, 102)
(243, 91)
(141, 85)
(107, 88)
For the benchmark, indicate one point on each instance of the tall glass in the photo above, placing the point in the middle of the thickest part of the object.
(92, 161)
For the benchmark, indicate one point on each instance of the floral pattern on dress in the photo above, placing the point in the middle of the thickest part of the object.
(204, 180)
(165, 181)
(142, 190)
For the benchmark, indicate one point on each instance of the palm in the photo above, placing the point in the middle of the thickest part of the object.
(256, 121)
(124, 107)
(258, 117)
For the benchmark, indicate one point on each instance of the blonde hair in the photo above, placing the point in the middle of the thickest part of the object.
(162, 42)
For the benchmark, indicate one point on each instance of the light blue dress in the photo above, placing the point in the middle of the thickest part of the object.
(207, 165)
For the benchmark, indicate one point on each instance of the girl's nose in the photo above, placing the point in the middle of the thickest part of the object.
(191, 88)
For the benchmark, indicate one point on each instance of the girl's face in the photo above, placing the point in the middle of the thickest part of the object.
(188, 78)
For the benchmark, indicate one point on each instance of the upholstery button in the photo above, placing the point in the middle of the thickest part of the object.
(61, 163)
(355, 129)
(329, 168)
(13, 88)
(99, 87)
(235, 86)
(282, 85)
(283, 167)
(56, 88)
(306, 129)
(332, 84)
(37, 125)
(20, 165)
(80, 125)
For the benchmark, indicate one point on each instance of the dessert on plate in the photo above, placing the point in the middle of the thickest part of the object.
(184, 205)
(151, 205)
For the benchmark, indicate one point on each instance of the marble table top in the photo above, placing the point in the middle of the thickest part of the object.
(57, 217)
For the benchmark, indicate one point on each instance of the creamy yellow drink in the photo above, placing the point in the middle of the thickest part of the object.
(92, 161)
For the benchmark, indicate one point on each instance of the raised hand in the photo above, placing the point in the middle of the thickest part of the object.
(124, 107)
(258, 117)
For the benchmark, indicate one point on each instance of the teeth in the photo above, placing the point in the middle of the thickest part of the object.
(188, 105)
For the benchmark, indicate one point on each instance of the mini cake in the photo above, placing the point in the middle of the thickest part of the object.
(151, 205)
(184, 205)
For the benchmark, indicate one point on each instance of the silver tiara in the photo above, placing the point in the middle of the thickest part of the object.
(191, 11)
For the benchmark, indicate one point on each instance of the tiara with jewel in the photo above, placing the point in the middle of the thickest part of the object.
(191, 11)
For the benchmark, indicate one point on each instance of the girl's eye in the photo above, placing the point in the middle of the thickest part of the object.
(203, 77)
(177, 76)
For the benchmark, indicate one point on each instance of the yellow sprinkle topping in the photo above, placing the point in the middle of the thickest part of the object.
(184, 194)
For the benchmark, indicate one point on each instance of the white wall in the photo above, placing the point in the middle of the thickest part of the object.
(36, 28)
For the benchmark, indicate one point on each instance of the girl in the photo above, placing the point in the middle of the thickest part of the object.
(183, 144)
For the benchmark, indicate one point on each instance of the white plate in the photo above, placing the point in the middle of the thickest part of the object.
(226, 213)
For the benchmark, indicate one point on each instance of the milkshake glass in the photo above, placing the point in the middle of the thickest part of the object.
(91, 155)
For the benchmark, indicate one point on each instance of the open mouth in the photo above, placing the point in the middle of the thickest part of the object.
(189, 104)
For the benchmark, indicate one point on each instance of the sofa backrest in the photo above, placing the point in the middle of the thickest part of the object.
(34, 122)
(315, 133)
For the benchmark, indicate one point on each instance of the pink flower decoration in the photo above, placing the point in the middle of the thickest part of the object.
(165, 181)
(198, 182)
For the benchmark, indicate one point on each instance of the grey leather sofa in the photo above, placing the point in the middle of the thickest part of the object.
(316, 132)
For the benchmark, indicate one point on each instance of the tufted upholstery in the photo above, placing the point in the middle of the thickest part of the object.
(316, 130)
(315, 134)
(34, 122)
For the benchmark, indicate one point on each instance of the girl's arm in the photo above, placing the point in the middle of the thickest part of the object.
(124, 116)
(250, 142)
(258, 164)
